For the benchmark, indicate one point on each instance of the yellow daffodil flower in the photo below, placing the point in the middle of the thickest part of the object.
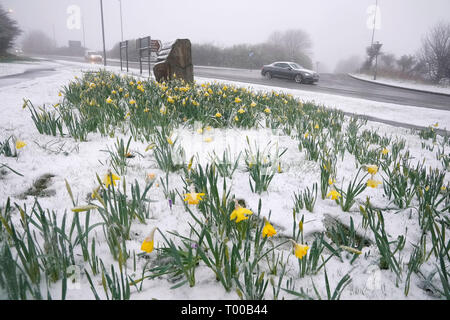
(237, 100)
(267, 110)
(300, 250)
(132, 101)
(218, 115)
(20, 144)
(334, 195)
(268, 230)
(373, 183)
(151, 176)
(240, 213)
(241, 111)
(372, 169)
(110, 178)
(193, 197)
(149, 244)
(109, 100)
(385, 151)
(253, 104)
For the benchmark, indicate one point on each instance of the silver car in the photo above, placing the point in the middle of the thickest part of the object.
(289, 70)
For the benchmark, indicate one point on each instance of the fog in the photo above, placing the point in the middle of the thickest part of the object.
(338, 29)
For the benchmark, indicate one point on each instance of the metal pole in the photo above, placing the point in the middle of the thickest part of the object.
(126, 52)
(84, 34)
(121, 22)
(140, 54)
(374, 21)
(120, 54)
(103, 33)
(149, 57)
(376, 66)
(373, 36)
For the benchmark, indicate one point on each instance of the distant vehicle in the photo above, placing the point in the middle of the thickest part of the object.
(18, 51)
(289, 70)
(92, 56)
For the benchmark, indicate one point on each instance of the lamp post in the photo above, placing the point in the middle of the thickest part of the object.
(121, 21)
(377, 46)
(84, 33)
(103, 33)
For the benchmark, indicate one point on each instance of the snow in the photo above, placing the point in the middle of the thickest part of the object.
(82, 163)
(423, 117)
(8, 69)
(404, 84)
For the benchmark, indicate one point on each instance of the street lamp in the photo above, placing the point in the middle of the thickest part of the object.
(121, 22)
(376, 46)
(103, 33)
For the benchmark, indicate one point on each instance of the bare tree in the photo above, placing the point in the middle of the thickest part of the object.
(296, 45)
(435, 52)
(294, 41)
(388, 60)
(406, 63)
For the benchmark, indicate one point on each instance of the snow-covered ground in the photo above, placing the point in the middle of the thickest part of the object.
(79, 162)
(7, 69)
(423, 117)
(404, 84)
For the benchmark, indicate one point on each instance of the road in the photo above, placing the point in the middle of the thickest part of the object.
(337, 84)
(29, 74)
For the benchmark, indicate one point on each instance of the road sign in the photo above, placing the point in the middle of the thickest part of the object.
(155, 45)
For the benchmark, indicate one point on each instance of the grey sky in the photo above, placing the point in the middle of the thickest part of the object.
(337, 27)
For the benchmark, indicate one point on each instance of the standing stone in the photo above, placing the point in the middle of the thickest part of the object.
(175, 58)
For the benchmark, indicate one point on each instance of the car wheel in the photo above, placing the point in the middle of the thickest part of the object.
(268, 75)
(298, 78)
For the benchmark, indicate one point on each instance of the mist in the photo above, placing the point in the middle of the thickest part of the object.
(338, 29)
